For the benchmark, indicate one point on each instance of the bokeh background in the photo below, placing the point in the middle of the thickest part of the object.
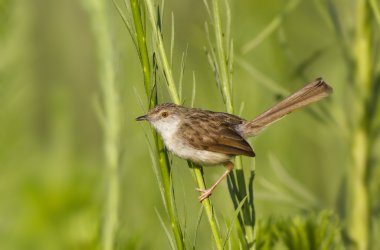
(52, 173)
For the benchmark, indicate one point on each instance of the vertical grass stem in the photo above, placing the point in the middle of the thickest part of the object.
(224, 67)
(111, 119)
(161, 152)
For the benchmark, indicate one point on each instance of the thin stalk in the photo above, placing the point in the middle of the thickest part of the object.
(163, 161)
(358, 220)
(358, 200)
(112, 131)
(197, 170)
(221, 56)
(142, 49)
(165, 170)
(162, 55)
(176, 99)
(111, 120)
(240, 188)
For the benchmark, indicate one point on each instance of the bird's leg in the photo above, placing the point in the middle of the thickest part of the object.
(206, 193)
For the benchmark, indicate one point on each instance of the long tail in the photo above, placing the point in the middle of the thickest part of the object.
(314, 91)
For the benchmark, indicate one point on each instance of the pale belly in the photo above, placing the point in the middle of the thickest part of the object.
(184, 150)
(201, 157)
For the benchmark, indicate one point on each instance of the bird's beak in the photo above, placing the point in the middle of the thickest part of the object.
(142, 118)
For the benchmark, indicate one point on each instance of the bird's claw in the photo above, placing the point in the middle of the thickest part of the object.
(205, 193)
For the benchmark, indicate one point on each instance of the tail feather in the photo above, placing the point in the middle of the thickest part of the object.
(313, 92)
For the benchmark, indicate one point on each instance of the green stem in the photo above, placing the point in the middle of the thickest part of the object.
(143, 51)
(162, 154)
(363, 47)
(241, 192)
(162, 55)
(175, 98)
(165, 167)
(197, 170)
(112, 131)
(111, 120)
(164, 164)
(358, 206)
(220, 51)
(358, 200)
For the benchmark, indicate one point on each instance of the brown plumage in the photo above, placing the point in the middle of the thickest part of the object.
(214, 131)
(209, 138)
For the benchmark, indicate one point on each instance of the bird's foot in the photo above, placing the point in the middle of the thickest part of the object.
(205, 193)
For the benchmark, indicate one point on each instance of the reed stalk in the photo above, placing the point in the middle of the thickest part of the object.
(163, 160)
(110, 119)
(223, 59)
(164, 163)
(358, 200)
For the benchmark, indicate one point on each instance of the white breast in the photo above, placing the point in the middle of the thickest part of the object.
(167, 129)
(181, 148)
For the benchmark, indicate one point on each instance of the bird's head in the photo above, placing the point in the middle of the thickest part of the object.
(164, 116)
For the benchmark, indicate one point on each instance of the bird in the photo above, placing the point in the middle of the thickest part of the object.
(210, 138)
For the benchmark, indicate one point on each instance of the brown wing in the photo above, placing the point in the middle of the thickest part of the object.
(215, 132)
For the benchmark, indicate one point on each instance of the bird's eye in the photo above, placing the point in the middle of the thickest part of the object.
(164, 114)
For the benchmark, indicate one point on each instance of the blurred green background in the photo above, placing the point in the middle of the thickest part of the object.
(52, 179)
